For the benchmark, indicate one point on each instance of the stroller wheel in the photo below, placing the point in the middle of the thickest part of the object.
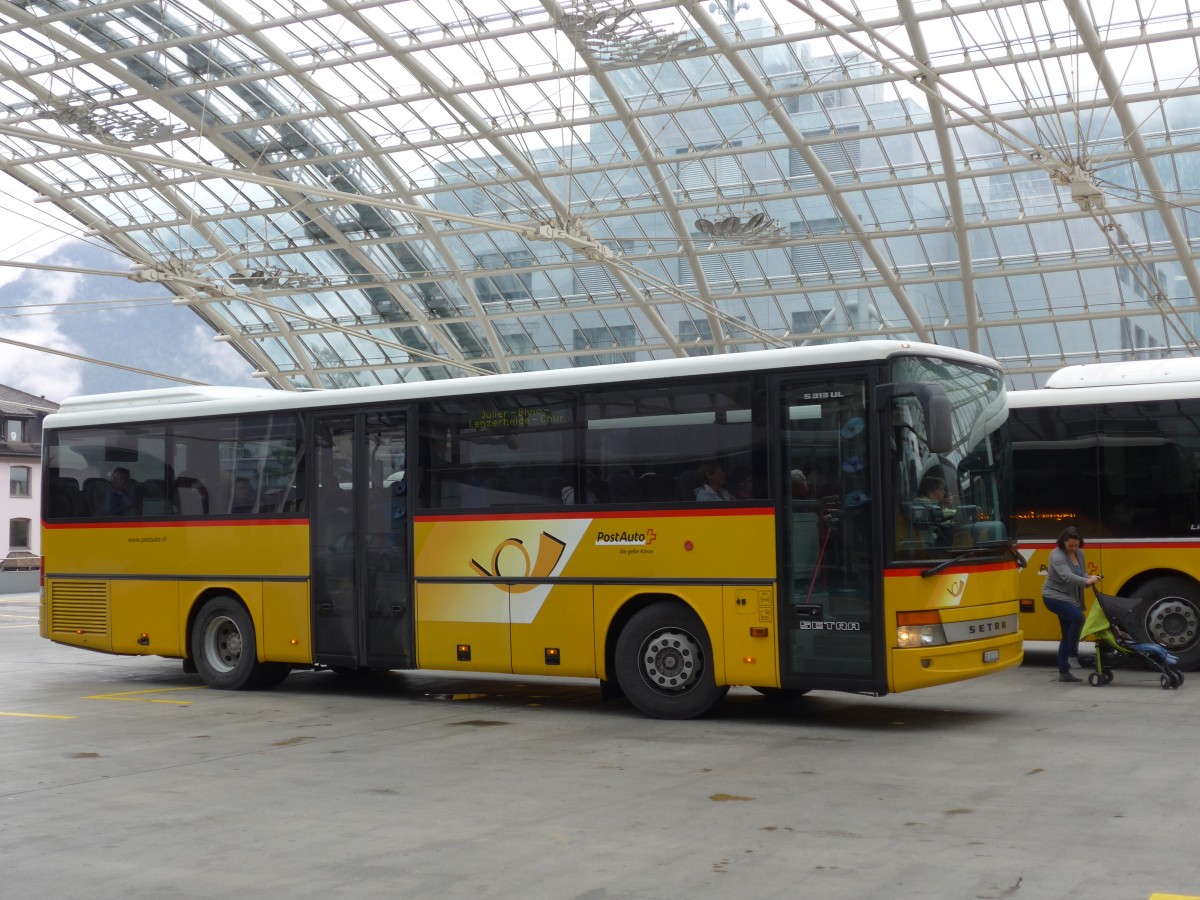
(1108, 677)
(1095, 680)
(1167, 682)
(1176, 678)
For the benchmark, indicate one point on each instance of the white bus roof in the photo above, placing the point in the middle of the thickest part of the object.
(1141, 371)
(186, 402)
(1155, 379)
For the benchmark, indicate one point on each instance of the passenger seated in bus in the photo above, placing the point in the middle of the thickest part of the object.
(933, 490)
(930, 511)
(801, 489)
(712, 483)
(120, 493)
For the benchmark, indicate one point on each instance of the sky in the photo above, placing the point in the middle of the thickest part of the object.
(102, 317)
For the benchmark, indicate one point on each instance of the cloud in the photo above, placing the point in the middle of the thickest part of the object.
(206, 359)
(32, 371)
(32, 231)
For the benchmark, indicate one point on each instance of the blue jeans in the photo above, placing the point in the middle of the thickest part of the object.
(1070, 619)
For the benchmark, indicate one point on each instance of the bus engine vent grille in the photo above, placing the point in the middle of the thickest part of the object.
(79, 606)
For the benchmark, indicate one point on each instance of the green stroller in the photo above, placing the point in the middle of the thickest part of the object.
(1109, 622)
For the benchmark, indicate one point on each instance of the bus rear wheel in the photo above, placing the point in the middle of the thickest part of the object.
(1169, 614)
(224, 647)
(663, 662)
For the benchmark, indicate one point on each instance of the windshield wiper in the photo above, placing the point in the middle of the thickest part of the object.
(982, 547)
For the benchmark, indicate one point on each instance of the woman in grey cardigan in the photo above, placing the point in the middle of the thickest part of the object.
(1063, 595)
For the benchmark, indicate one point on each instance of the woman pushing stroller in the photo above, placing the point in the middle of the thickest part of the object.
(1063, 595)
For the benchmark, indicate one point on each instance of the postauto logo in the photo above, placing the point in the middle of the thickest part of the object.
(625, 538)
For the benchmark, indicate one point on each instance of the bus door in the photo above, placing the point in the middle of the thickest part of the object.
(827, 567)
(362, 608)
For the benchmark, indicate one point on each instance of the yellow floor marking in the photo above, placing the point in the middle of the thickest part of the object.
(1173, 897)
(34, 716)
(134, 696)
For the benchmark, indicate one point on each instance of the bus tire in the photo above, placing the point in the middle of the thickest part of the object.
(271, 674)
(663, 661)
(1169, 614)
(223, 645)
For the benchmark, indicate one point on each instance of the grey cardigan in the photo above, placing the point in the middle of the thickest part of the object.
(1061, 581)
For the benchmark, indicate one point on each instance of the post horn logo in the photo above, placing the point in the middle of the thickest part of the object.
(550, 551)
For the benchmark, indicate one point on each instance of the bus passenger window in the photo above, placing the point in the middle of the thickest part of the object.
(193, 496)
(507, 450)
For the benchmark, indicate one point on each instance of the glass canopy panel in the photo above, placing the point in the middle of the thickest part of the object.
(419, 190)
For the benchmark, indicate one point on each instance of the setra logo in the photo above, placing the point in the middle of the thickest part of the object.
(625, 538)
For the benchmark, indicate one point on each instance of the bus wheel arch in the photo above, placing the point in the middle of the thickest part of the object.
(222, 642)
(1169, 614)
(611, 686)
(663, 659)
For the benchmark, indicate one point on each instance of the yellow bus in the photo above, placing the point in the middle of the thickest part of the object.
(1114, 449)
(669, 528)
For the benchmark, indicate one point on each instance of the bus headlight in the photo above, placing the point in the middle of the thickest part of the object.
(919, 629)
(920, 635)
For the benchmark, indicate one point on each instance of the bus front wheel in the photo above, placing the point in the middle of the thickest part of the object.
(663, 662)
(1169, 614)
(223, 645)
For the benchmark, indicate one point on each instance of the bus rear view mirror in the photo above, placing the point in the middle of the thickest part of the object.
(935, 407)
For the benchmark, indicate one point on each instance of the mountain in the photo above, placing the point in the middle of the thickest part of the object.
(108, 318)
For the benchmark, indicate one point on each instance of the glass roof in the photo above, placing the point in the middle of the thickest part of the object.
(370, 192)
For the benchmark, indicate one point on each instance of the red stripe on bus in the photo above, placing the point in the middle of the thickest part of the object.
(1125, 543)
(626, 514)
(956, 569)
(174, 523)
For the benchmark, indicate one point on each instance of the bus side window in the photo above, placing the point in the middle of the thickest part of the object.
(687, 483)
(243, 496)
(66, 499)
(153, 498)
(95, 495)
(193, 496)
(624, 487)
(554, 490)
(657, 488)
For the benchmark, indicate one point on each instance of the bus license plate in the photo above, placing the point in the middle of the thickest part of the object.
(991, 655)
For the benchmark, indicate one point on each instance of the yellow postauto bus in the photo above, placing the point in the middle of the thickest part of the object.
(670, 528)
(1114, 449)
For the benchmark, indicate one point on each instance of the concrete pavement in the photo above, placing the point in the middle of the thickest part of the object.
(126, 778)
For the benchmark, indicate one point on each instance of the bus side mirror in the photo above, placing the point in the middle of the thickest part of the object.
(935, 406)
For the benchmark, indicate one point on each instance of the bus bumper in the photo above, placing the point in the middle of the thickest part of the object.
(921, 667)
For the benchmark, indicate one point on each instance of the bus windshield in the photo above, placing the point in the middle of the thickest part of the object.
(957, 500)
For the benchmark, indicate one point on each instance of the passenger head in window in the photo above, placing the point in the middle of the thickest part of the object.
(120, 493)
(933, 489)
(712, 483)
(800, 486)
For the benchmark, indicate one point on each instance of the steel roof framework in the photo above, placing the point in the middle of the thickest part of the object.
(372, 192)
